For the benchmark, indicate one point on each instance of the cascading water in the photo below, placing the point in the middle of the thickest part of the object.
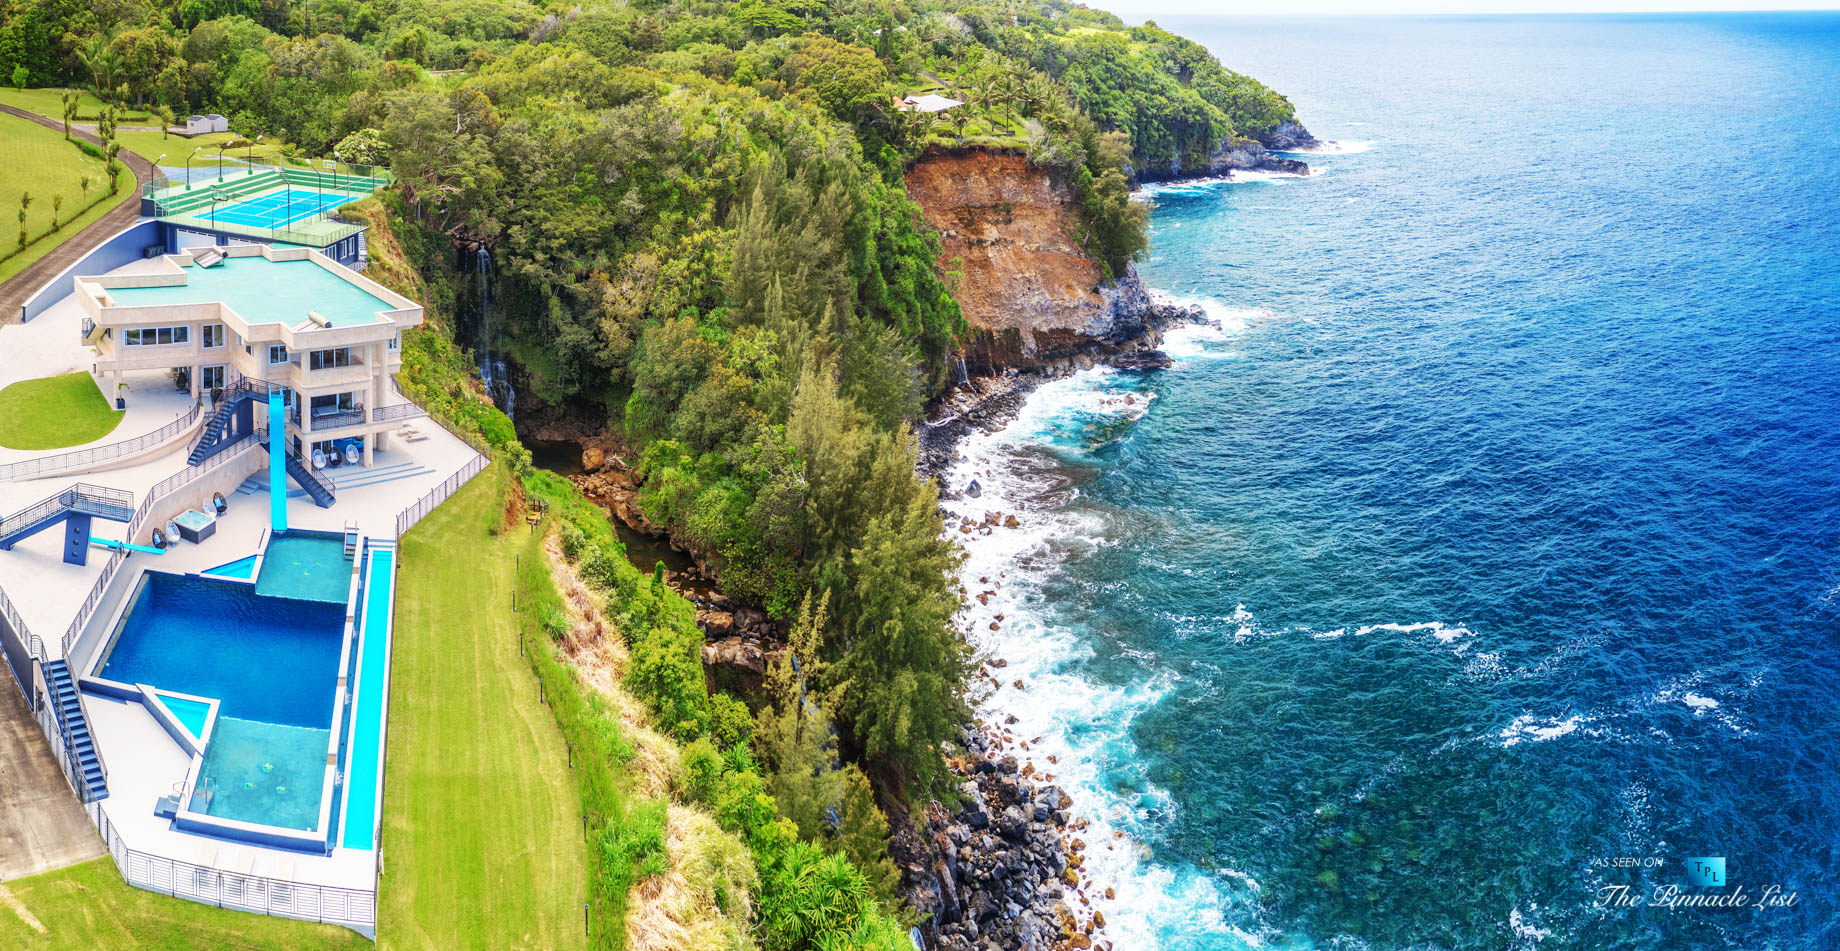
(964, 376)
(493, 371)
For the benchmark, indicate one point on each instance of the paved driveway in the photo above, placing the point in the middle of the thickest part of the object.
(42, 825)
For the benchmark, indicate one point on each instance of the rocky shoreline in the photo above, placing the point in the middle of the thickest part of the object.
(1003, 870)
(1244, 155)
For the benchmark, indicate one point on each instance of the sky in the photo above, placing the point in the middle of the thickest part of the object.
(1136, 11)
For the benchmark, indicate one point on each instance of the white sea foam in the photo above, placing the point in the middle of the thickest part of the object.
(1532, 729)
(1101, 770)
(1526, 929)
(1338, 148)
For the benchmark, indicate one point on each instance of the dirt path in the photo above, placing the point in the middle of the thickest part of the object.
(20, 286)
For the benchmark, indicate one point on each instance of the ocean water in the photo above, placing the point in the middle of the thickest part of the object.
(1484, 554)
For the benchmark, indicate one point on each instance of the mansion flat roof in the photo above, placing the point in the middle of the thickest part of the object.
(262, 291)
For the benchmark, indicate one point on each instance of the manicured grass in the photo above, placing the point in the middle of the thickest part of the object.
(150, 145)
(54, 412)
(482, 833)
(49, 103)
(88, 906)
(39, 161)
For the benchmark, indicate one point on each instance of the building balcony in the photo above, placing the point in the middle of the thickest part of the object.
(328, 420)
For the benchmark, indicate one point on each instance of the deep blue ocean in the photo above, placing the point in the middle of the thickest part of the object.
(1485, 555)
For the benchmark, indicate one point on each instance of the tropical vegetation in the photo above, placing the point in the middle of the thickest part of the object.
(686, 220)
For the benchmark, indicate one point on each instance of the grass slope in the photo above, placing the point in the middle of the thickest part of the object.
(482, 831)
(39, 161)
(88, 906)
(53, 412)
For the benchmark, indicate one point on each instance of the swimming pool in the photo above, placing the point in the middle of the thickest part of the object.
(271, 663)
(310, 566)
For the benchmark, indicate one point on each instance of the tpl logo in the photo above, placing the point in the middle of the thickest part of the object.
(1706, 872)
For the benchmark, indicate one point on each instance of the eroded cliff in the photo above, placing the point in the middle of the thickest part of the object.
(1010, 231)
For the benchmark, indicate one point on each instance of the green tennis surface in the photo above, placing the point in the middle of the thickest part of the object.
(277, 209)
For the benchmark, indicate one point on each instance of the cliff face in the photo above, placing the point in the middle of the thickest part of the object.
(1008, 228)
(1236, 154)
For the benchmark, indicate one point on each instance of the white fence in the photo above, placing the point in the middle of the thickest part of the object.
(85, 458)
(329, 904)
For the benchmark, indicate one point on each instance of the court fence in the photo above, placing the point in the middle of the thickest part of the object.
(199, 201)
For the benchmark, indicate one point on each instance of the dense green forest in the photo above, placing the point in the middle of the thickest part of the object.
(700, 234)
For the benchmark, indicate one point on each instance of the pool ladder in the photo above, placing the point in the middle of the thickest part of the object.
(351, 539)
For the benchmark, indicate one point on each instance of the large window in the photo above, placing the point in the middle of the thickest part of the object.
(333, 403)
(211, 378)
(330, 359)
(155, 336)
(277, 353)
(213, 335)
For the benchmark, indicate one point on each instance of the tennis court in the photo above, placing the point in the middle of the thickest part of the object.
(275, 209)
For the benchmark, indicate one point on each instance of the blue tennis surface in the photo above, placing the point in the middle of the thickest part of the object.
(276, 209)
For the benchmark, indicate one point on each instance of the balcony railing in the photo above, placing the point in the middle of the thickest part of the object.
(318, 422)
(397, 411)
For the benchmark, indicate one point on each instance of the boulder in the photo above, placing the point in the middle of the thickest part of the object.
(593, 458)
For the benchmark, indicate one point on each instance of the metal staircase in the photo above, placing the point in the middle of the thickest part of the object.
(85, 764)
(236, 405)
(316, 485)
(81, 499)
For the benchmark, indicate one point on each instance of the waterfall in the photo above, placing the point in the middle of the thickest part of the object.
(964, 377)
(492, 369)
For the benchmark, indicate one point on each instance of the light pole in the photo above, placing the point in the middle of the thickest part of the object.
(249, 155)
(221, 146)
(188, 167)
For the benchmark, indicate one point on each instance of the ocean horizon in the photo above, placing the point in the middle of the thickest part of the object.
(1470, 581)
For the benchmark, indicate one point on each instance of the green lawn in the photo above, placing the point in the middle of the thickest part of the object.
(54, 412)
(49, 102)
(88, 906)
(39, 161)
(482, 820)
(150, 145)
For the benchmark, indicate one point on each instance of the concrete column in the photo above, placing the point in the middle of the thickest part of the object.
(115, 391)
(370, 448)
(197, 379)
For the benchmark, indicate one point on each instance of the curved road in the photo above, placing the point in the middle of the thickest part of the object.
(16, 289)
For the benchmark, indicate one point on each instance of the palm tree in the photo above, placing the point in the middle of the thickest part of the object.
(71, 99)
(100, 62)
(165, 115)
(83, 183)
(57, 205)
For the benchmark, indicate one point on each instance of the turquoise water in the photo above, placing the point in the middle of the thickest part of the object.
(269, 773)
(310, 566)
(365, 759)
(265, 292)
(271, 663)
(191, 714)
(1486, 555)
(192, 519)
(240, 568)
(262, 658)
